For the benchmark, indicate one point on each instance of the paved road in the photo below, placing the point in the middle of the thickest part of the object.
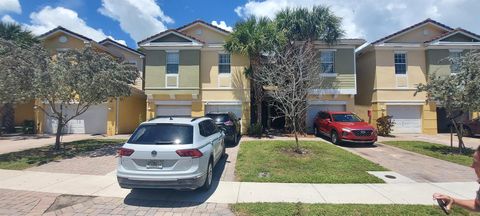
(443, 138)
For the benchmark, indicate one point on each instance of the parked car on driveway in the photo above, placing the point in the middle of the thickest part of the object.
(230, 122)
(470, 127)
(344, 127)
(174, 153)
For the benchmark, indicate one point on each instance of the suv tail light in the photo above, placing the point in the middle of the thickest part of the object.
(125, 152)
(228, 123)
(194, 153)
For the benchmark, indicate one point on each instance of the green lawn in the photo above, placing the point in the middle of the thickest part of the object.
(324, 163)
(438, 151)
(280, 209)
(38, 156)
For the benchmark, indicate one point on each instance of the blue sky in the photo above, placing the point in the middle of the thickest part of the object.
(129, 21)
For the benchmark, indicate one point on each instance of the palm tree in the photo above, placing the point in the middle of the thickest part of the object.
(253, 38)
(22, 37)
(302, 24)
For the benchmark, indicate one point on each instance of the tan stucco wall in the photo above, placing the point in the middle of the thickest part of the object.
(131, 113)
(52, 43)
(24, 111)
(208, 35)
(350, 104)
(418, 36)
(128, 57)
(366, 79)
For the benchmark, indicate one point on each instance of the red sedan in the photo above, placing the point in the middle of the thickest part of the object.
(344, 127)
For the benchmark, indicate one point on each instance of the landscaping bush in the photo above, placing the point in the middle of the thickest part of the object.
(385, 125)
(255, 130)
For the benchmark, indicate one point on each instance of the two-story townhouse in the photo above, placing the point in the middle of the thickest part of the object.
(119, 115)
(188, 73)
(390, 68)
(338, 70)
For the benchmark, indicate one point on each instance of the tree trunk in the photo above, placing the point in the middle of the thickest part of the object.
(8, 118)
(297, 145)
(58, 135)
(459, 130)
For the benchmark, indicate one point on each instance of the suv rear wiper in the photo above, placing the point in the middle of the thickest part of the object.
(164, 142)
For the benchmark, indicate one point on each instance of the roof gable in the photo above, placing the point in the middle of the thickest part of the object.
(171, 36)
(121, 46)
(204, 24)
(417, 33)
(65, 31)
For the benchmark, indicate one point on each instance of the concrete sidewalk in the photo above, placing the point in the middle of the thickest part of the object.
(239, 192)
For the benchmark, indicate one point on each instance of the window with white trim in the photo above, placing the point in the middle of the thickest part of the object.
(172, 62)
(400, 63)
(223, 63)
(455, 61)
(327, 60)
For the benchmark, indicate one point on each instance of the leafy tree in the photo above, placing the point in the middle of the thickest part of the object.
(253, 38)
(73, 80)
(16, 34)
(78, 79)
(456, 92)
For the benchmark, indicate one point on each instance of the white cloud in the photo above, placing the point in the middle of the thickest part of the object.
(373, 19)
(223, 25)
(8, 19)
(49, 18)
(118, 41)
(139, 18)
(7, 6)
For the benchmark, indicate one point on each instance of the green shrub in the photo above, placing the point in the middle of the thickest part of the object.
(385, 125)
(255, 130)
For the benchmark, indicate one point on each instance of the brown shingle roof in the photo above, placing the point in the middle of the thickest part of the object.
(451, 33)
(167, 31)
(412, 27)
(60, 28)
(121, 45)
(205, 23)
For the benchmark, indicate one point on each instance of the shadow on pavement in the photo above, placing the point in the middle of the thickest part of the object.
(175, 198)
(349, 145)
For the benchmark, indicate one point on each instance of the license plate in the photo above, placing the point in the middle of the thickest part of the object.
(154, 164)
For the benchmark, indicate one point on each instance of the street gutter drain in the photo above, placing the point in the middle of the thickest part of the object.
(390, 176)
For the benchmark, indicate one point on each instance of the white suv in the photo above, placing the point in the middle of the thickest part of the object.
(175, 153)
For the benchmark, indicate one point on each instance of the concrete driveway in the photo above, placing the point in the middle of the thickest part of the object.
(19, 143)
(442, 138)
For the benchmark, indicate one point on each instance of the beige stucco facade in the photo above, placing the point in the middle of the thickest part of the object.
(123, 114)
(380, 88)
(198, 83)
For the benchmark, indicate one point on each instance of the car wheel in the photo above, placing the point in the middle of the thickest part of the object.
(467, 132)
(315, 129)
(334, 137)
(208, 180)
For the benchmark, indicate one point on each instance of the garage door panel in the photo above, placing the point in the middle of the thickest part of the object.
(93, 121)
(312, 111)
(173, 110)
(407, 118)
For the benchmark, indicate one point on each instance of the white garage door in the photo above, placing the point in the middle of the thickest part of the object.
(314, 109)
(407, 118)
(174, 110)
(93, 121)
(237, 109)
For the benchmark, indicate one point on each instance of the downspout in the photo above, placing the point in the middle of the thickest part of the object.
(116, 115)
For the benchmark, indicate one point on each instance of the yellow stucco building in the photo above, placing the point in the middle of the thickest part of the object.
(389, 69)
(117, 116)
(188, 73)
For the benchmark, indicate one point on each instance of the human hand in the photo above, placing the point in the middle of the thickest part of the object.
(446, 199)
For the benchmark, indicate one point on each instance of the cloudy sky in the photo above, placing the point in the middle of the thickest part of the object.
(129, 21)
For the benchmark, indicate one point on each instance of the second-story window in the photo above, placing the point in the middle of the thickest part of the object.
(400, 63)
(224, 63)
(455, 61)
(327, 59)
(172, 62)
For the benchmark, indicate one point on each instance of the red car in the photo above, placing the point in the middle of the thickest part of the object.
(344, 127)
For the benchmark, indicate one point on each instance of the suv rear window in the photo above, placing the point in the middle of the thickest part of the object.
(162, 134)
(219, 117)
